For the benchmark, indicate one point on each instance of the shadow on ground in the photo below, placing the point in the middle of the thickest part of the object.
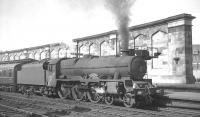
(67, 111)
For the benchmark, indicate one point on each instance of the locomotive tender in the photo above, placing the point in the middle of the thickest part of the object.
(110, 79)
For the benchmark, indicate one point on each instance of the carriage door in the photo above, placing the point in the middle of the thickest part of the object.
(51, 75)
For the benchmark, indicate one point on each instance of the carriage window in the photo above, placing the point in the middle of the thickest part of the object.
(4, 72)
(7, 72)
(0, 72)
(10, 72)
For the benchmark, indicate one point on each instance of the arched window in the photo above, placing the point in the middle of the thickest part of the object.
(12, 57)
(140, 42)
(160, 44)
(22, 56)
(37, 56)
(43, 55)
(94, 49)
(54, 54)
(32, 55)
(17, 57)
(108, 48)
(84, 50)
(62, 53)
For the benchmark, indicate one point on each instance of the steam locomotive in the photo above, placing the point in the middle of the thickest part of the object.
(110, 79)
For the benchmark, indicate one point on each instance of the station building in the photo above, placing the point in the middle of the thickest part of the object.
(171, 36)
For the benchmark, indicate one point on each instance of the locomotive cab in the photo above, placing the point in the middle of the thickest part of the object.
(50, 68)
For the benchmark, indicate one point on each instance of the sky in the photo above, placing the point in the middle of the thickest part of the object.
(29, 23)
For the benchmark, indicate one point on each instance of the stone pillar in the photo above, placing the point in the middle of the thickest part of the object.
(180, 49)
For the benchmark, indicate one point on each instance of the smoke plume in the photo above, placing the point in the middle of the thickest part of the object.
(121, 11)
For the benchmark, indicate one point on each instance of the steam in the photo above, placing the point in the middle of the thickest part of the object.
(121, 11)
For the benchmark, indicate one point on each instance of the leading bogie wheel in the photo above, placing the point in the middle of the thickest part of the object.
(93, 96)
(128, 101)
(109, 99)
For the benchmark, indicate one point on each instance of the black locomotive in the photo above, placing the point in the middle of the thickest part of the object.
(110, 79)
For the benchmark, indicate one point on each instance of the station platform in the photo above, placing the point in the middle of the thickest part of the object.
(187, 92)
(188, 87)
(183, 95)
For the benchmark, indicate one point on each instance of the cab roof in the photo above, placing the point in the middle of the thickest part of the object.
(55, 61)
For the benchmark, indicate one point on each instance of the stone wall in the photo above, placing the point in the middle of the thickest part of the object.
(171, 36)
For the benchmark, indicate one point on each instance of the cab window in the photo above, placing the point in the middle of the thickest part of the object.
(51, 67)
(4, 72)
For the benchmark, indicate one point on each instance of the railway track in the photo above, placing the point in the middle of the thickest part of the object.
(10, 111)
(50, 106)
(6, 111)
(30, 108)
